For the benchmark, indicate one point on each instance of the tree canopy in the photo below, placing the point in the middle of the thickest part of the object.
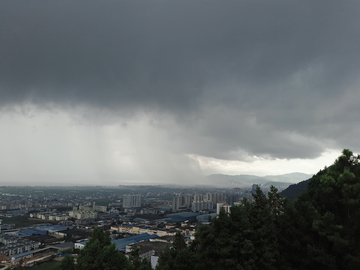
(319, 230)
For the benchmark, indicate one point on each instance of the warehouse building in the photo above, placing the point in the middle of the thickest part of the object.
(122, 243)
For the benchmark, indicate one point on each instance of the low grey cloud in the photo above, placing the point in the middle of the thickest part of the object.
(225, 79)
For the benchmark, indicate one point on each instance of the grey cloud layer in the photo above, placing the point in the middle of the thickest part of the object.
(285, 72)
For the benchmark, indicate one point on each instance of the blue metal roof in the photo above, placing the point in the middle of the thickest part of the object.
(83, 242)
(140, 219)
(29, 231)
(43, 224)
(17, 212)
(122, 243)
(183, 214)
(21, 255)
(54, 227)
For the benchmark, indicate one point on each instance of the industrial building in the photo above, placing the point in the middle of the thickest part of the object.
(52, 229)
(205, 218)
(27, 232)
(180, 217)
(122, 243)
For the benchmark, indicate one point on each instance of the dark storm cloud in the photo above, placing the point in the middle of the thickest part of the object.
(291, 67)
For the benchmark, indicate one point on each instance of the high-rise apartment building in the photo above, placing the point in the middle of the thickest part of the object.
(131, 201)
(198, 198)
(181, 201)
(203, 205)
(176, 203)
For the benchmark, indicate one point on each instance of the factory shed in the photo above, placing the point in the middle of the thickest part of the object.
(21, 256)
(75, 233)
(180, 217)
(38, 252)
(5, 227)
(143, 220)
(30, 231)
(206, 217)
(122, 243)
(39, 225)
(53, 229)
(45, 239)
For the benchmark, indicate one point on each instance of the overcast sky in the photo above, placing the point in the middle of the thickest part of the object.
(116, 92)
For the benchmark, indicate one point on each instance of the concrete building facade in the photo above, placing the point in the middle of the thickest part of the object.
(203, 205)
(131, 201)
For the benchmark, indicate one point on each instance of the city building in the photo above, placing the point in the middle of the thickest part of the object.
(13, 245)
(225, 206)
(83, 214)
(181, 201)
(203, 205)
(131, 201)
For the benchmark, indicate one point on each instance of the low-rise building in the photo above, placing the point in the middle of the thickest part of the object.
(15, 245)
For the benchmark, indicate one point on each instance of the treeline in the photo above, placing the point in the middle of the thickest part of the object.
(319, 230)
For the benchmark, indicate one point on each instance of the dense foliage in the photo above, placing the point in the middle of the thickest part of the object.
(319, 230)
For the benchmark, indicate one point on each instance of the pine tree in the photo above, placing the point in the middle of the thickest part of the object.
(67, 263)
(247, 238)
(177, 257)
(137, 262)
(328, 217)
(99, 253)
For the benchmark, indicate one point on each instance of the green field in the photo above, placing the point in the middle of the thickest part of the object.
(104, 202)
(20, 221)
(51, 265)
(166, 198)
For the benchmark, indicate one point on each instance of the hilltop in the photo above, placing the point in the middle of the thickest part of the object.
(245, 180)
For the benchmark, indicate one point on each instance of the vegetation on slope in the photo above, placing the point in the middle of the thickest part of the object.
(319, 230)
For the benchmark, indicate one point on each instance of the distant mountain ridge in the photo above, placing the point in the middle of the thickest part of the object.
(294, 191)
(245, 180)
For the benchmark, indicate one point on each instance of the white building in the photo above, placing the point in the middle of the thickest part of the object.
(176, 203)
(80, 245)
(181, 201)
(222, 205)
(83, 214)
(225, 206)
(203, 205)
(198, 198)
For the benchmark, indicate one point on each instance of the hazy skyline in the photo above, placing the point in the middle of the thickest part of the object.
(112, 92)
